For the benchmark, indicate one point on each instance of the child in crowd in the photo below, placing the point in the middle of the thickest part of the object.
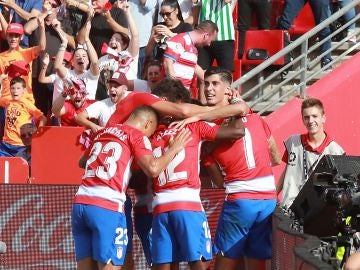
(19, 110)
(26, 132)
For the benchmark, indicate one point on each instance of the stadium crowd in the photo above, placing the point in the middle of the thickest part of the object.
(138, 75)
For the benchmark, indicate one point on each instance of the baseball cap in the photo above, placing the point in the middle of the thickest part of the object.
(119, 78)
(15, 28)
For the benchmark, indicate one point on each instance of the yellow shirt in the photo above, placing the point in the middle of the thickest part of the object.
(7, 57)
(18, 112)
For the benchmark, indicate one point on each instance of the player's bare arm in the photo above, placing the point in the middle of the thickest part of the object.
(240, 108)
(152, 167)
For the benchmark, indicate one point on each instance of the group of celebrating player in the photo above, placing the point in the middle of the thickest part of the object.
(141, 136)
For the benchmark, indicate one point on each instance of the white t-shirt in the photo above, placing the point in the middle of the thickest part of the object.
(141, 86)
(101, 110)
(58, 86)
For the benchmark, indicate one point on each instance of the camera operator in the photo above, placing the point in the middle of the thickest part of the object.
(304, 151)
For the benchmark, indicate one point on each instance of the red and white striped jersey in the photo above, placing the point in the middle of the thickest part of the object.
(246, 162)
(178, 186)
(107, 169)
(183, 52)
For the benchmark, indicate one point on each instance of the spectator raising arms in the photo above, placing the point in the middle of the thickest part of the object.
(66, 109)
(14, 34)
(81, 60)
(22, 10)
(122, 56)
(43, 93)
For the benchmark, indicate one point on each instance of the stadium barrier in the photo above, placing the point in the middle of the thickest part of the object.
(35, 225)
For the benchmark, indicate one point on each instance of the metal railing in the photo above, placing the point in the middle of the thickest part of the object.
(272, 88)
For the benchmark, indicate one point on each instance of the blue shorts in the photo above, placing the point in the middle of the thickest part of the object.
(143, 224)
(99, 233)
(180, 236)
(9, 150)
(244, 229)
(129, 223)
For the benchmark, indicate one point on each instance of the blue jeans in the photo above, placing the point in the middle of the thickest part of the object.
(141, 62)
(348, 15)
(321, 11)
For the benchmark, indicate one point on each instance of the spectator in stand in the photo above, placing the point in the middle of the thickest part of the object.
(123, 56)
(321, 10)
(99, 202)
(180, 57)
(54, 79)
(303, 152)
(244, 226)
(26, 132)
(189, 10)
(152, 76)
(22, 11)
(105, 22)
(19, 110)
(222, 48)
(246, 9)
(71, 102)
(143, 12)
(43, 93)
(173, 24)
(102, 110)
(14, 34)
(348, 16)
(81, 60)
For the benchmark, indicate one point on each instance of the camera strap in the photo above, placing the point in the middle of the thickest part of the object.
(305, 166)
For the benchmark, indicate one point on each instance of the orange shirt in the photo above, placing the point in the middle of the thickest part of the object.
(7, 57)
(18, 112)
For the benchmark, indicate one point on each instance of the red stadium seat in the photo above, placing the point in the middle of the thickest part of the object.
(55, 156)
(270, 40)
(14, 170)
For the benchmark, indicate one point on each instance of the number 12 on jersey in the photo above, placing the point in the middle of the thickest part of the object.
(170, 174)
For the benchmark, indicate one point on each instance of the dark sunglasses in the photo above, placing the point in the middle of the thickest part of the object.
(54, 5)
(167, 14)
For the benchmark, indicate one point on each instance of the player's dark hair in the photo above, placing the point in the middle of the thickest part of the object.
(312, 102)
(173, 90)
(145, 110)
(18, 80)
(225, 75)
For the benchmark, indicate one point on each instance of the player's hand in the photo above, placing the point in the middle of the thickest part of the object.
(182, 123)
(180, 140)
(234, 94)
(95, 128)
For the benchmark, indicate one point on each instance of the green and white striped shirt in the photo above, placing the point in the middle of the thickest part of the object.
(220, 13)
